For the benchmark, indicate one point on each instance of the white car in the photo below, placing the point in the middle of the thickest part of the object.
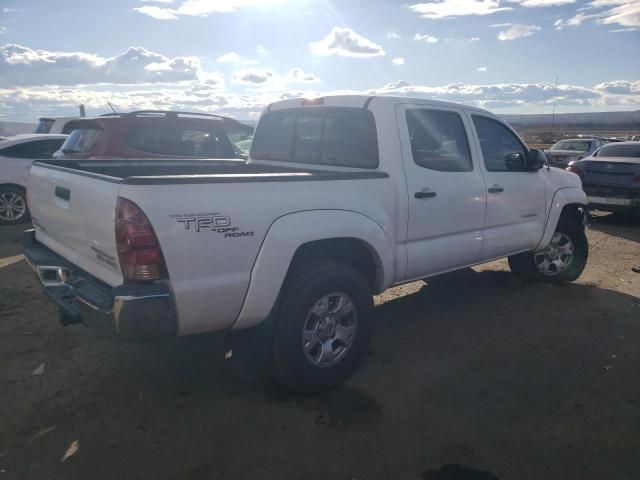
(341, 198)
(56, 125)
(17, 153)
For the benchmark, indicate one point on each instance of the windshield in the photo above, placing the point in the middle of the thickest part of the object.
(577, 145)
(81, 140)
(44, 125)
(617, 150)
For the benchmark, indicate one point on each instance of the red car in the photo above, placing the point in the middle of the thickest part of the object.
(155, 134)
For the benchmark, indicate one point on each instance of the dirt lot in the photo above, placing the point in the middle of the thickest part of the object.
(475, 370)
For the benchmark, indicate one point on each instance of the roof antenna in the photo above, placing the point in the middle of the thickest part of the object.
(553, 115)
(116, 112)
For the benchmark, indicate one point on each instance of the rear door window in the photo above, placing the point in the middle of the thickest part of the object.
(333, 136)
(439, 140)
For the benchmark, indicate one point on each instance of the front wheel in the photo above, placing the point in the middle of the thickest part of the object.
(322, 327)
(563, 260)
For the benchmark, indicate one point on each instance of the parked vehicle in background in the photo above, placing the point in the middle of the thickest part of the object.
(611, 177)
(155, 134)
(55, 125)
(17, 153)
(341, 198)
(571, 149)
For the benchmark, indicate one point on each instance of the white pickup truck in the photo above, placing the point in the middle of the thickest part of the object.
(341, 198)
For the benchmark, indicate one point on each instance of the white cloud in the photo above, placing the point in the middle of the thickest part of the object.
(625, 13)
(474, 39)
(577, 20)
(504, 95)
(393, 36)
(482, 69)
(345, 43)
(27, 103)
(262, 78)
(157, 1)
(24, 66)
(3, 30)
(233, 57)
(201, 8)
(424, 37)
(298, 75)
(542, 3)
(620, 87)
(159, 13)
(398, 61)
(253, 76)
(516, 30)
(456, 8)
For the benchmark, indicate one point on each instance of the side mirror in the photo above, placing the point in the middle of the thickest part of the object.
(536, 159)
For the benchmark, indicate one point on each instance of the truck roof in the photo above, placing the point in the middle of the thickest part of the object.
(361, 101)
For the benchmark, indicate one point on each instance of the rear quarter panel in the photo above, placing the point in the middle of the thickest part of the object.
(210, 262)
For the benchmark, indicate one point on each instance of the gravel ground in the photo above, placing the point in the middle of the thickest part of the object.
(473, 376)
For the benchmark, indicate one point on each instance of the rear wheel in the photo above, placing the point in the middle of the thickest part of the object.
(563, 260)
(322, 327)
(13, 206)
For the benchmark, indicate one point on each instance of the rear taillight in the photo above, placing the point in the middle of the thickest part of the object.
(138, 248)
(577, 170)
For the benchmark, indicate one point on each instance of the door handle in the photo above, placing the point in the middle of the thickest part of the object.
(424, 194)
(63, 193)
(495, 189)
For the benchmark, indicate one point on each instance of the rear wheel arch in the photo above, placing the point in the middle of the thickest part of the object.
(341, 236)
(350, 251)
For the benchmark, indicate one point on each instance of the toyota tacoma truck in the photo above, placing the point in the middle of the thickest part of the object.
(341, 198)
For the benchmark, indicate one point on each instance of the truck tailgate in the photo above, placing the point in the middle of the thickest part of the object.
(74, 214)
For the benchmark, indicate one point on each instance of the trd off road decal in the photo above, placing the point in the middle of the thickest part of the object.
(210, 222)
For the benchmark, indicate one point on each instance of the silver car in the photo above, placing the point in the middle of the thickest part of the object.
(572, 149)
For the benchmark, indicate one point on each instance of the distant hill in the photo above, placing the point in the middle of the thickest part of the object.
(612, 121)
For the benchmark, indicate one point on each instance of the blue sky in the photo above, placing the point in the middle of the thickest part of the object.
(234, 56)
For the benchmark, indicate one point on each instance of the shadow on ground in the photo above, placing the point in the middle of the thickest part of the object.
(618, 225)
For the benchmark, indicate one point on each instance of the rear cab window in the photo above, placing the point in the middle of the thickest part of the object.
(82, 139)
(180, 139)
(573, 145)
(632, 151)
(329, 136)
(44, 125)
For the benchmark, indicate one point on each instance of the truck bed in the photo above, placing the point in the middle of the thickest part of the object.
(155, 172)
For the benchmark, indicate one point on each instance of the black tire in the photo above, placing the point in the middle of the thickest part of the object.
(304, 288)
(10, 191)
(524, 264)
